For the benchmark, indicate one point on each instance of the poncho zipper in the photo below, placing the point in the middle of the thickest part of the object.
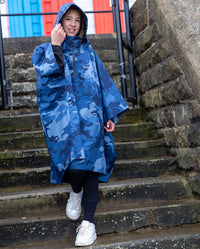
(74, 62)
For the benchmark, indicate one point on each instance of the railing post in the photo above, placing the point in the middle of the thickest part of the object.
(130, 54)
(2, 68)
(116, 17)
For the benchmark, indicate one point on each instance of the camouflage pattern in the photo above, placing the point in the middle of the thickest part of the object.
(74, 107)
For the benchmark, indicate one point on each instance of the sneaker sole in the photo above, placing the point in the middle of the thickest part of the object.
(73, 217)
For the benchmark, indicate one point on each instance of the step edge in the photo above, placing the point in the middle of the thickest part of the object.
(104, 186)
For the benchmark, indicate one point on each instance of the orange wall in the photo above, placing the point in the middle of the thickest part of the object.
(104, 21)
(51, 6)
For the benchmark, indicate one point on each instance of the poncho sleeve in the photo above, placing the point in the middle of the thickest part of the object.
(44, 60)
(114, 104)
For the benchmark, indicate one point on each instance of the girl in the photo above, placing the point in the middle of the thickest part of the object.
(79, 106)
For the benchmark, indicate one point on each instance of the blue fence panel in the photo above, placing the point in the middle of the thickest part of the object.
(21, 26)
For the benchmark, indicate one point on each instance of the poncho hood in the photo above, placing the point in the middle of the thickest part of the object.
(64, 8)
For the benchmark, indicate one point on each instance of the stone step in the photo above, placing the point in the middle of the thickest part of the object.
(27, 122)
(123, 169)
(24, 60)
(185, 237)
(36, 139)
(29, 74)
(30, 122)
(27, 44)
(109, 219)
(23, 201)
(36, 158)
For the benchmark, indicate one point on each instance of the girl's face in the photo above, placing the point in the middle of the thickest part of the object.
(71, 22)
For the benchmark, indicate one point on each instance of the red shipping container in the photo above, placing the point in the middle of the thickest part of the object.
(104, 21)
(51, 6)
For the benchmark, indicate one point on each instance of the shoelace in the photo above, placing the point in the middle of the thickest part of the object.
(80, 229)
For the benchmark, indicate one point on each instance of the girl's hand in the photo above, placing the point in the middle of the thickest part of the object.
(57, 35)
(110, 126)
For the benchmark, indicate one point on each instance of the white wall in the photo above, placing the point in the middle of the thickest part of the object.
(4, 20)
(131, 2)
(87, 6)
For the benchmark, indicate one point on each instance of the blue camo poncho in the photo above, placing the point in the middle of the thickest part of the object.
(75, 105)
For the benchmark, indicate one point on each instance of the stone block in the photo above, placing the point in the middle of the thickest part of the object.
(163, 117)
(194, 135)
(22, 60)
(175, 91)
(27, 101)
(112, 68)
(194, 110)
(21, 75)
(137, 8)
(188, 158)
(194, 180)
(183, 136)
(141, 22)
(168, 94)
(181, 113)
(107, 55)
(7, 61)
(24, 88)
(163, 72)
(145, 40)
(175, 137)
(181, 31)
(154, 55)
(150, 99)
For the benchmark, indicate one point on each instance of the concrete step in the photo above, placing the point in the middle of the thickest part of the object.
(22, 201)
(109, 219)
(125, 150)
(30, 122)
(123, 169)
(36, 139)
(182, 237)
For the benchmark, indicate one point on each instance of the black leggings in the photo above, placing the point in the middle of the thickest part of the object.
(89, 182)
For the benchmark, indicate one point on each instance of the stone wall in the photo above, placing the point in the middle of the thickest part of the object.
(166, 37)
(22, 75)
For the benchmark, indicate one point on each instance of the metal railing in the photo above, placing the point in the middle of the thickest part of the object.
(3, 73)
(121, 44)
(127, 45)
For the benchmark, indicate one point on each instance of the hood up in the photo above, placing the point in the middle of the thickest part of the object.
(64, 8)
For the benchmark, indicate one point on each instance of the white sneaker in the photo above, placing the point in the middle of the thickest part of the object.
(73, 208)
(86, 234)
